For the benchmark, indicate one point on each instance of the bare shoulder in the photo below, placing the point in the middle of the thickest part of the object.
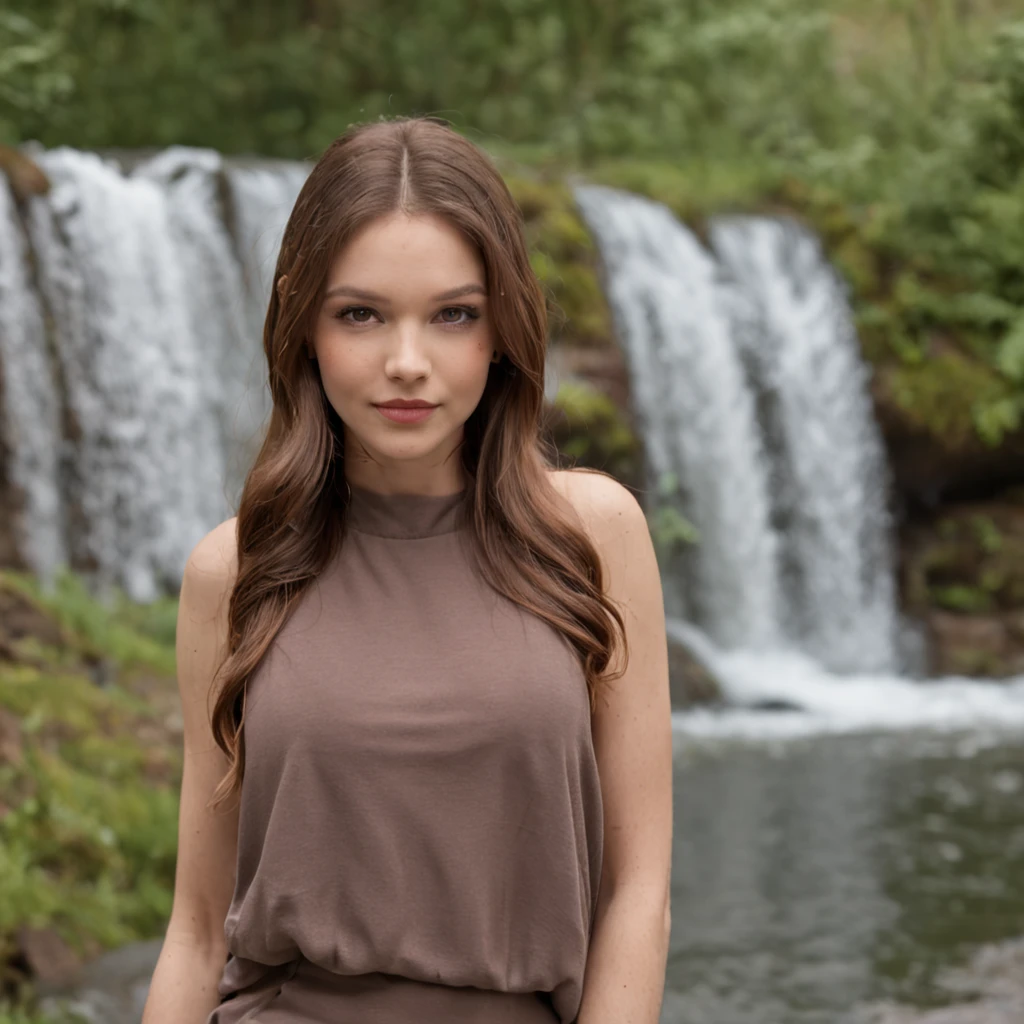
(202, 629)
(605, 506)
(213, 564)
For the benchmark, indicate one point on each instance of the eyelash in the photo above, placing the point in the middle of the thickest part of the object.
(472, 312)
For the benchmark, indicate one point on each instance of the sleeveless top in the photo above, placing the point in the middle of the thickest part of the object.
(420, 820)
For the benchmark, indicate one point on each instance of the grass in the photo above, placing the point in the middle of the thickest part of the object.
(91, 777)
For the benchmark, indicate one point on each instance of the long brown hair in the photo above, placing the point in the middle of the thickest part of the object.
(290, 516)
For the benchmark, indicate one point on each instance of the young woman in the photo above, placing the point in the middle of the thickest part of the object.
(431, 668)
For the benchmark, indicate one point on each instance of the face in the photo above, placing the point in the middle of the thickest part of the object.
(404, 317)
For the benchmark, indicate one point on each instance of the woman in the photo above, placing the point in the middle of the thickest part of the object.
(449, 658)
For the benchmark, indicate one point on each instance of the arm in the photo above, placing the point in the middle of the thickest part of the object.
(183, 989)
(632, 727)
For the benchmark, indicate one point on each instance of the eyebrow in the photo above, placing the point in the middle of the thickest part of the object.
(368, 296)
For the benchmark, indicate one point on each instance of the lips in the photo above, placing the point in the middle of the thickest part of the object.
(406, 412)
(406, 403)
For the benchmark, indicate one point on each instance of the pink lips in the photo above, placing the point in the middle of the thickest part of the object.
(406, 413)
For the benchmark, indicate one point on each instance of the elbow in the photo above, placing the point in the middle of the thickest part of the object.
(654, 903)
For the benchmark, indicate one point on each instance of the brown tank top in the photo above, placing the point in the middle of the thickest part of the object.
(420, 826)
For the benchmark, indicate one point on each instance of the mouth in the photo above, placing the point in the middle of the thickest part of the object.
(405, 412)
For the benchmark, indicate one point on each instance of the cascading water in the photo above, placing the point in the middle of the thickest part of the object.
(30, 401)
(699, 420)
(794, 326)
(749, 389)
(153, 311)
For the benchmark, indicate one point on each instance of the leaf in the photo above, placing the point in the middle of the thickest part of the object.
(1010, 353)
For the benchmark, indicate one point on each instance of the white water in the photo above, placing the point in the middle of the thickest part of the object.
(155, 331)
(749, 387)
(823, 702)
(30, 400)
(697, 410)
(792, 321)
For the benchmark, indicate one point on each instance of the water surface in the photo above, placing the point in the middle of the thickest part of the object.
(816, 874)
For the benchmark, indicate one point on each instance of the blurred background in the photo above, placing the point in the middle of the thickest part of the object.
(783, 244)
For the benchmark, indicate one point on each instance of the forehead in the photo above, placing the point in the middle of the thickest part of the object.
(407, 249)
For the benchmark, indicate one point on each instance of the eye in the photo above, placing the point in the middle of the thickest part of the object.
(471, 313)
(343, 314)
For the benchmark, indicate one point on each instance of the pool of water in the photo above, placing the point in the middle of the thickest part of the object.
(815, 875)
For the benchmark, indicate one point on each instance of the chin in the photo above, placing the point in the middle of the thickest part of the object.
(404, 449)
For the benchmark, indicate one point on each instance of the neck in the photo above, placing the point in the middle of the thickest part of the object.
(405, 514)
(439, 473)
(433, 485)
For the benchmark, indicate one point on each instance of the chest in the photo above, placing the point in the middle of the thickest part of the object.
(403, 649)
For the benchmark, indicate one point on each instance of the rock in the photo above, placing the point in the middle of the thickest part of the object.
(981, 1013)
(50, 959)
(690, 681)
(990, 990)
(974, 645)
(930, 467)
(604, 368)
(962, 577)
(112, 989)
(20, 617)
(776, 704)
(590, 417)
(25, 176)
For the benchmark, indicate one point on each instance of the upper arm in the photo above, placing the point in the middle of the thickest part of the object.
(207, 840)
(632, 720)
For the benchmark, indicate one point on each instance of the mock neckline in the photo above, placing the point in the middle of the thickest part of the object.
(404, 516)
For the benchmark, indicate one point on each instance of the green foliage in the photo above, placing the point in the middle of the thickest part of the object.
(896, 127)
(591, 429)
(960, 598)
(969, 560)
(948, 395)
(671, 531)
(88, 818)
(26, 1015)
(115, 629)
(630, 76)
(564, 258)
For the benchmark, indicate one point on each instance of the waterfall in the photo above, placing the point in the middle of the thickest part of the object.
(30, 402)
(750, 390)
(696, 407)
(153, 295)
(794, 325)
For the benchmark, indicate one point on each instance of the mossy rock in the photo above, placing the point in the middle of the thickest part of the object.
(964, 569)
(566, 261)
(944, 395)
(691, 682)
(591, 430)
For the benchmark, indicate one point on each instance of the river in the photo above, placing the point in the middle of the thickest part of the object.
(816, 875)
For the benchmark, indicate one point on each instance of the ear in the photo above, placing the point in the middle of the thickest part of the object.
(282, 286)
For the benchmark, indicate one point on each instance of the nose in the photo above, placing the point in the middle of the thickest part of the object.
(407, 357)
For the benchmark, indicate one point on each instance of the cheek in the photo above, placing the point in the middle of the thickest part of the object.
(344, 373)
(468, 374)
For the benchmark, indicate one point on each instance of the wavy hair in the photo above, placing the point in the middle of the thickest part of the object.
(291, 510)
